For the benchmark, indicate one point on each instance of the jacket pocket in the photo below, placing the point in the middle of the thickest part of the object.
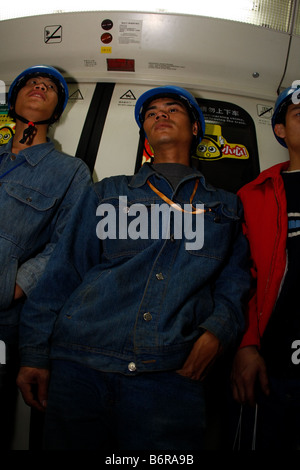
(26, 215)
(219, 228)
(30, 197)
(124, 228)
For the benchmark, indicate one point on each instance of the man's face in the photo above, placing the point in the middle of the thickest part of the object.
(38, 97)
(167, 122)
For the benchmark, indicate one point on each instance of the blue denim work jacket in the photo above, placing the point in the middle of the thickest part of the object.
(38, 187)
(136, 305)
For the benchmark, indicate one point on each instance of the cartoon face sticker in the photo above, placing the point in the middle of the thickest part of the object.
(5, 134)
(214, 146)
(208, 149)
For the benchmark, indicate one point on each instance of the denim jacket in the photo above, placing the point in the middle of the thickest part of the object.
(38, 187)
(135, 305)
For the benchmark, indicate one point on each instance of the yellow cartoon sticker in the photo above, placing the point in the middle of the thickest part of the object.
(7, 126)
(214, 146)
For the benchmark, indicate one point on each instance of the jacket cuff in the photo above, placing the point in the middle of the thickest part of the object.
(33, 358)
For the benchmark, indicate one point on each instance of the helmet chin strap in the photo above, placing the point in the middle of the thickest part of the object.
(31, 127)
(143, 137)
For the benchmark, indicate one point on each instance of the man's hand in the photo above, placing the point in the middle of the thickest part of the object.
(30, 378)
(18, 292)
(201, 357)
(248, 367)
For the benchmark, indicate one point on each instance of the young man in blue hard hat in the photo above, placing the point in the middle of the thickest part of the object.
(39, 187)
(138, 318)
(266, 369)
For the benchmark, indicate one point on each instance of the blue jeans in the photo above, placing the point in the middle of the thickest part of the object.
(278, 416)
(8, 396)
(92, 410)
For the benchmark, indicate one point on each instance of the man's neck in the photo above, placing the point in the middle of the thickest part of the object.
(39, 137)
(172, 157)
(294, 160)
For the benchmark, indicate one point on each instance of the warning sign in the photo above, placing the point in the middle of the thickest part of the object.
(127, 99)
(76, 96)
(53, 34)
(106, 38)
(264, 111)
(128, 96)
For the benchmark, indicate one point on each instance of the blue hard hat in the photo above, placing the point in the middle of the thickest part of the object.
(39, 70)
(283, 99)
(182, 94)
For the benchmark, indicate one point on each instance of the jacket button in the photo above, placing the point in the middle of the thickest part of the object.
(159, 276)
(131, 366)
(147, 316)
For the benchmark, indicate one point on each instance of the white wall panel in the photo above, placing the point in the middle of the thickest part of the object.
(67, 131)
(207, 53)
(119, 142)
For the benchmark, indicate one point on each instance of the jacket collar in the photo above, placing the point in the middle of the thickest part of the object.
(32, 154)
(273, 173)
(140, 178)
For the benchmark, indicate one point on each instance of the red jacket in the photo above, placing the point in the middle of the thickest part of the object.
(265, 227)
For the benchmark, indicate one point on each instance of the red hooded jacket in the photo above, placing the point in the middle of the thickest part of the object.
(265, 227)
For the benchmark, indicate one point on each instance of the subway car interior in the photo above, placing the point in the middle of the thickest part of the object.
(235, 57)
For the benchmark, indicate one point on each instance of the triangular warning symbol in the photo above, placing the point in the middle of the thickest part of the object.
(76, 95)
(128, 96)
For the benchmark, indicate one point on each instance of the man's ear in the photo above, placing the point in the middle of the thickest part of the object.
(279, 130)
(195, 128)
